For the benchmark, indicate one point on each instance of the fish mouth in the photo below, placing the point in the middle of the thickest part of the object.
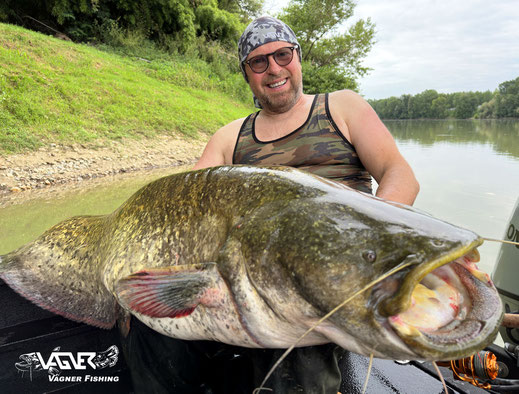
(444, 309)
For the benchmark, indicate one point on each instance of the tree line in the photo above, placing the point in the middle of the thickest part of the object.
(429, 104)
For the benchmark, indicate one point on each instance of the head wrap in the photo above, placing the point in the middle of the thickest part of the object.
(261, 31)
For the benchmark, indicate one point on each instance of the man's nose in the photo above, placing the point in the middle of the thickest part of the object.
(273, 68)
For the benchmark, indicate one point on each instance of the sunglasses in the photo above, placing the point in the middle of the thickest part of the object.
(283, 57)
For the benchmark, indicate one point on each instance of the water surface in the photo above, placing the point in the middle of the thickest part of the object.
(468, 172)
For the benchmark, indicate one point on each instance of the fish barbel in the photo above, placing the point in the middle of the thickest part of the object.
(254, 256)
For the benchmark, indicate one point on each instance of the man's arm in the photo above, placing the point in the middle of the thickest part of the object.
(375, 146)
(220, 147)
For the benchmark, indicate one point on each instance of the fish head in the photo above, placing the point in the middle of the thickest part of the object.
(435, 305)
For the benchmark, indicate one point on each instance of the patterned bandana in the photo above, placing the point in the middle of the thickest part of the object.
(261, 31)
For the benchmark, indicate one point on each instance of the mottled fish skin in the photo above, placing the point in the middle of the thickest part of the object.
(249, 256)
(60, 271)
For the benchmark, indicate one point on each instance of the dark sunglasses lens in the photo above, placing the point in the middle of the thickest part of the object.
(283, 56)
(258, 64)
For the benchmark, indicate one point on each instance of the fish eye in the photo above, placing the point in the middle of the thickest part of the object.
(369, 255)
(437, 242)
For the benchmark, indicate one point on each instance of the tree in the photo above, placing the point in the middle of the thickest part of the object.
(420, 104)
(507, 99)
(325, 79)
(439, 107)
(396, 108)
(462, 105)
(334, 58)
(487, 110)
(247, 9)
(465, 105)
(79, 18)
(218, 24)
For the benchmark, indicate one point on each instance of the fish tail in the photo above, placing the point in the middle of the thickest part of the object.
(58, 273)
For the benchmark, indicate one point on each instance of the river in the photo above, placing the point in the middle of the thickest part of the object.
(468, 172)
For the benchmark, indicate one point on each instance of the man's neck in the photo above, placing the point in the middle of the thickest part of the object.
(300, 104)
(270, 126)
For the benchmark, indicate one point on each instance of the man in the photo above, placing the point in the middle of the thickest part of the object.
(273, 72)
(338, 136)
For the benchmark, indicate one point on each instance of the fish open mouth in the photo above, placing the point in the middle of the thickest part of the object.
(454, 304)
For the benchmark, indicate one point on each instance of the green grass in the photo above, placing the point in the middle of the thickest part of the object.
(57, 91)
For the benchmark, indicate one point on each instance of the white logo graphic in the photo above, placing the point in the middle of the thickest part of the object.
(62, 361)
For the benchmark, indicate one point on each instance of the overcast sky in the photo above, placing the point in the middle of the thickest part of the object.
(449, 46)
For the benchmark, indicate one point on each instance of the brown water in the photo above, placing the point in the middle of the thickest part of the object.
(23, 221)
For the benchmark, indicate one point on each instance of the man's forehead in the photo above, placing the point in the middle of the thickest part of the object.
(269, 47)
(261, 31)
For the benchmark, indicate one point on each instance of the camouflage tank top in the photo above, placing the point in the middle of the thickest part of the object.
(317, 147)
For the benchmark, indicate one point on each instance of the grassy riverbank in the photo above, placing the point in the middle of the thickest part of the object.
(54, 91)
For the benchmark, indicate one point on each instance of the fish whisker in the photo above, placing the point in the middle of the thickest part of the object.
(325, 317)
(368, 373)
(440, 376)
(501, 240)
(257, 390)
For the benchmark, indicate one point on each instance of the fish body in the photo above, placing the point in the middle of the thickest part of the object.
(254, 256)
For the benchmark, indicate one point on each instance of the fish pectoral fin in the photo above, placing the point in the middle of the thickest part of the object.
(171, 291)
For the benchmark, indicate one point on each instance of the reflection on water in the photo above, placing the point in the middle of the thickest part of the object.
(501, 134)
(468, 172)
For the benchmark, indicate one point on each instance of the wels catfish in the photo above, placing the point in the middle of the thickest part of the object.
(254, 256)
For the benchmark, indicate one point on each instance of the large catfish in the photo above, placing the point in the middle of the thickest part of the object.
(254, 256)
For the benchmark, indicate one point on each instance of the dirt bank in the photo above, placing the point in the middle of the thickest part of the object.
(65, 164)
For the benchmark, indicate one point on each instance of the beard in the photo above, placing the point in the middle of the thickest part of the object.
(283, 101)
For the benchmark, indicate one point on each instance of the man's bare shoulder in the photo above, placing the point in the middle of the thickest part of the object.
(346, 97)
(225, 138)
(220, 147)
(229, 131)
(349, 105)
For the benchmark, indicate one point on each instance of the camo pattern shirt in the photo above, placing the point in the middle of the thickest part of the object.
(317, 147)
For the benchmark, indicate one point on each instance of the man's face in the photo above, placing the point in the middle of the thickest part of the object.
(279, 87)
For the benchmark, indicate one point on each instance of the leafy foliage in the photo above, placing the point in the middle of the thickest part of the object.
(218, 25)
(325, 79)
(333, 58)
(247, 9)
(159, 20)
(504, 102)
(507, 100)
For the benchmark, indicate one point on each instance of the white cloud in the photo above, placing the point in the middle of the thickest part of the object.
(447, 46)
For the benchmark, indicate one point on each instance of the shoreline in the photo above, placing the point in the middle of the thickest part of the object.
(63, 165)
